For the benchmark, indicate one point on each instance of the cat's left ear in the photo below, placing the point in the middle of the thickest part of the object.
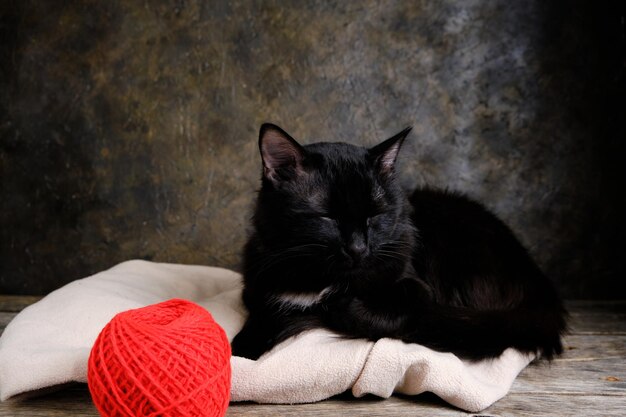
(385, 154)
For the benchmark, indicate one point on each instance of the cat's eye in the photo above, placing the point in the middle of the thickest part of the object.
(371, 219)
(317, 216)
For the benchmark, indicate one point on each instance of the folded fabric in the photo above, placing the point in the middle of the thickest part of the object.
(48, 344)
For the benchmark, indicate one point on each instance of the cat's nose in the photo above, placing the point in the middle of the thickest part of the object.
(357, 249)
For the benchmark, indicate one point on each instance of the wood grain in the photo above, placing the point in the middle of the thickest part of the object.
(563, 405)
(588, 379)
(73, 401)
(16, 303)
(5, 318)
(595, 317)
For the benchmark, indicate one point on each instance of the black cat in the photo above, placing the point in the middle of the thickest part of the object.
(337, 244)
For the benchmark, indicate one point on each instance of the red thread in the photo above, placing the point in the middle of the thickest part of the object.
(168, 359)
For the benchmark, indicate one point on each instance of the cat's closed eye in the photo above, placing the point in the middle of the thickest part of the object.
(326, 217)
(373, 219)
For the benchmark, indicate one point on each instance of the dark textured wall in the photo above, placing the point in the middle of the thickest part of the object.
(128, 129)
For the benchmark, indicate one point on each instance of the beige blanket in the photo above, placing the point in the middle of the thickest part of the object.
(49, 342)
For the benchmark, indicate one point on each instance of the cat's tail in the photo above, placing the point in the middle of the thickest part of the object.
(475, 334)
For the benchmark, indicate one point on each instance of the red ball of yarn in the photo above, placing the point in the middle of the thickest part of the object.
(167, 359)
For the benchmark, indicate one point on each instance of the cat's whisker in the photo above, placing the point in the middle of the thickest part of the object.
(276, 260)
(389, 252)
(305, 247)
(279, 254)
(268, 260)
(330, 263)
(391, 255)
(399, 244)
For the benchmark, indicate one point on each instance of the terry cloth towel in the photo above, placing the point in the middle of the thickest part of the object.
(48, 344)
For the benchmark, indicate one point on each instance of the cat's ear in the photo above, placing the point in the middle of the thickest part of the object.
(282, 155)
(384, 155)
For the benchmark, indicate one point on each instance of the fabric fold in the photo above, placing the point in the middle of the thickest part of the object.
(48, 343)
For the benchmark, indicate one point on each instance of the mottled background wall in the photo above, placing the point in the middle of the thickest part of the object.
(128, 128)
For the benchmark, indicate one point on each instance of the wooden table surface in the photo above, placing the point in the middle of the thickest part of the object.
(589, 379)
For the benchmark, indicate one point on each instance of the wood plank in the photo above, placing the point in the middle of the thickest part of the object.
(5, 319)
(563, 405)
(400, 406)
(588, 379)
(596, 317)
(590, 364)
(597, 377)
(16, 303)
(591, 347)
(73, 401)
(76, 402)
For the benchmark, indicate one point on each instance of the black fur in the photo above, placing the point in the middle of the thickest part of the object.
(434, 268)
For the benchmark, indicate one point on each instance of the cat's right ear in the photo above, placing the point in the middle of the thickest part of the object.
(282, 155)
(386, 153)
